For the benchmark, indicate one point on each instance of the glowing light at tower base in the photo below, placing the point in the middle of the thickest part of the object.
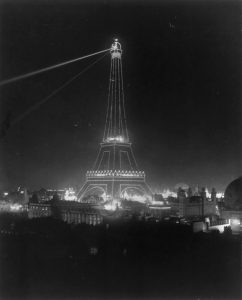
(112, 205)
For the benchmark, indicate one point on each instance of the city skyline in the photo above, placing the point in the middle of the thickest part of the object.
(181, 84)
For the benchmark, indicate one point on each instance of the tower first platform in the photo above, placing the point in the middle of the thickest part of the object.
(115, 172)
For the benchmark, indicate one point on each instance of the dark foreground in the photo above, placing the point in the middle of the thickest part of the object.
(48, 259)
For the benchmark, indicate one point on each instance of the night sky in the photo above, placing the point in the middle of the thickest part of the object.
(181, 66)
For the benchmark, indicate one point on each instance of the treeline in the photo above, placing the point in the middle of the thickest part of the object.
(49, 259)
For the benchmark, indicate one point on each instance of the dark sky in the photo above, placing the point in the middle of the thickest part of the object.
(182, 72)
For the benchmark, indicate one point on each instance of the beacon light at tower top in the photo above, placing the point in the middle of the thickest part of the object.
(116, 49)
(116, 46)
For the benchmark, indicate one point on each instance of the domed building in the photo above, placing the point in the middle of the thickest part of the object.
(233, 195)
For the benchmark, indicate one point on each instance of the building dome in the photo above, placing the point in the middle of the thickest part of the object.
(233, 194)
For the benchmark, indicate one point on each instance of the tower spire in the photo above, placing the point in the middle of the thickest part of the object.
(116, 127)
(115, 172)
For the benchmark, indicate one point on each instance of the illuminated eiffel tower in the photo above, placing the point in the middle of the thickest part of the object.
(115, 173)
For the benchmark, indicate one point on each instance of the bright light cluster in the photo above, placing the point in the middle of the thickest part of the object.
(234, 221)
(220, 195)
(112, 205)
(168, 193)
(16, 207)
(117, 138)
(70, 195)
(136, 197)
(122, 173)
(158, 202)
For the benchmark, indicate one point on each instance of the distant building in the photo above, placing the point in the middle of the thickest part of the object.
(69, 211)
(196, 205)
(233, 195)
(39, 210)
(232, 206)
(44, 195)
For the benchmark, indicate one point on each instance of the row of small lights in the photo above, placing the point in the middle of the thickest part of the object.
(108, 172)
(118, 138)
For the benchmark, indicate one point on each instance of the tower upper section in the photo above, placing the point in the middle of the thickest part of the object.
(115, 126)
(116, 49)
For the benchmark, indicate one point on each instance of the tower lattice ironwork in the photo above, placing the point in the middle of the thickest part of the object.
(115, 170)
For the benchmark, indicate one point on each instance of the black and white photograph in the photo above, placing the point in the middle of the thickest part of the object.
(120, 149)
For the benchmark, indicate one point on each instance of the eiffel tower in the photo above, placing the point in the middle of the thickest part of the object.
(115, 173)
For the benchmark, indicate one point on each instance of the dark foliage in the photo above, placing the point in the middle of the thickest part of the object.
(49, 259)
